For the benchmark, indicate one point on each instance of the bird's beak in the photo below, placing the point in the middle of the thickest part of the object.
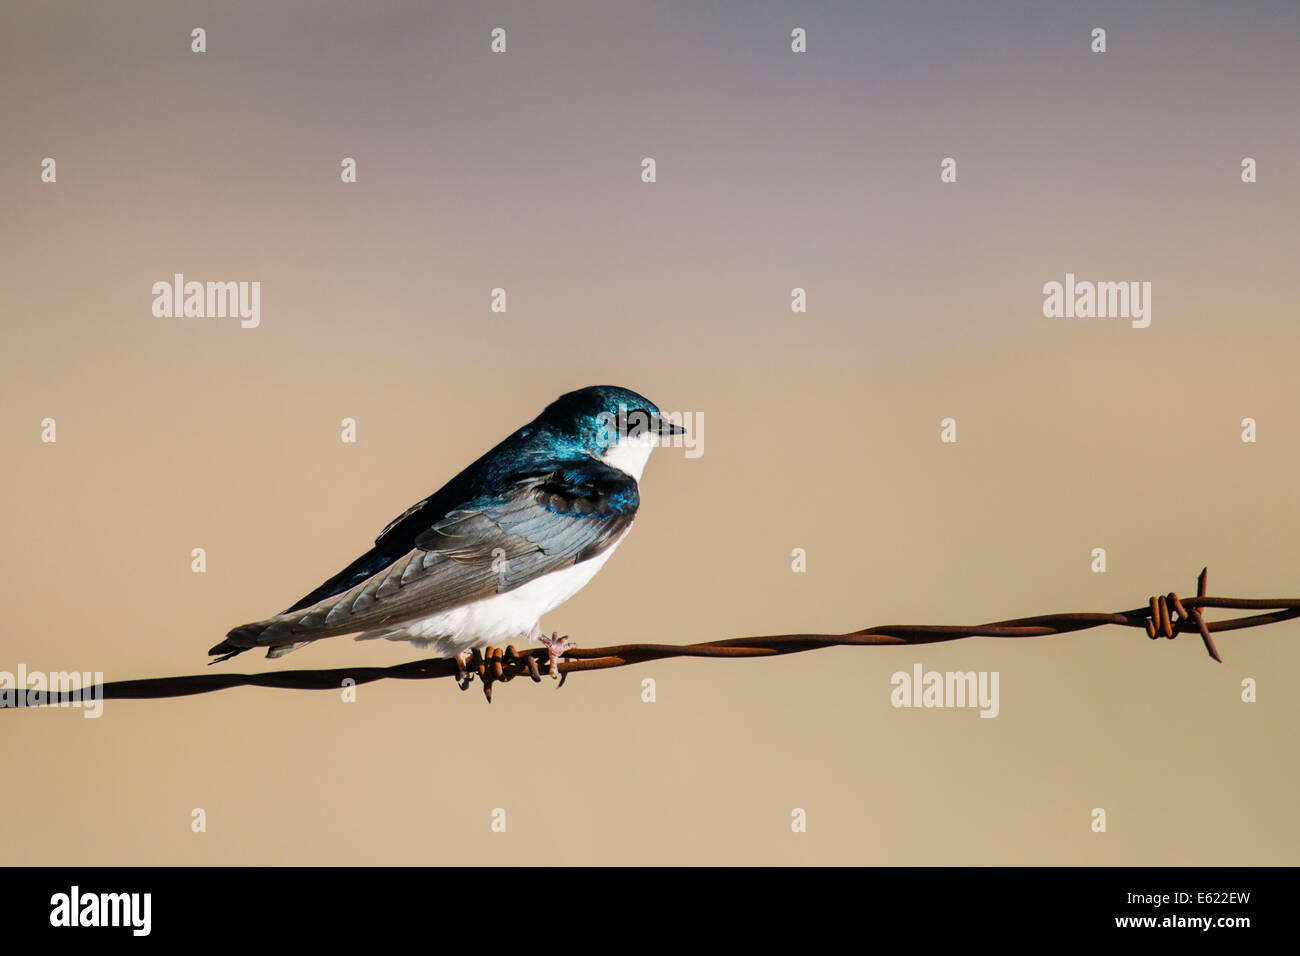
(663, 427)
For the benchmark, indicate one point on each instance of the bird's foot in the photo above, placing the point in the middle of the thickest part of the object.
(555, 648)
(500, 666)
(463, 675)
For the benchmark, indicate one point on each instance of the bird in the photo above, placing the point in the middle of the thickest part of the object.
(511, 537)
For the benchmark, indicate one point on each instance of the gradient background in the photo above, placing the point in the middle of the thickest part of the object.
(776, 170)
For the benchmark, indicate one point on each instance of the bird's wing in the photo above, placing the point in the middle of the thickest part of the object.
(541, 524)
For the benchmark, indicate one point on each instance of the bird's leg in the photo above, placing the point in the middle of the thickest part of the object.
(555, 648)
(463, 676)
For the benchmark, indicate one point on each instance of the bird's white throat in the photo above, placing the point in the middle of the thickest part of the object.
(629, 455)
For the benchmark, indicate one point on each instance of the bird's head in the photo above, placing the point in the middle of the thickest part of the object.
(615, 425)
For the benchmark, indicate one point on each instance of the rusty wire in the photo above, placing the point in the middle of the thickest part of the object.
(500, 665)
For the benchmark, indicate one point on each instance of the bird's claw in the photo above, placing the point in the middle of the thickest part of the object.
(555, 648)
(463, 676)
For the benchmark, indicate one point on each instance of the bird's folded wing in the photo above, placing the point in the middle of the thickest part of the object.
(543, 523)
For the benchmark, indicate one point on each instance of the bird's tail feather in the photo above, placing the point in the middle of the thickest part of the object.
(226, 650)
(245, 638)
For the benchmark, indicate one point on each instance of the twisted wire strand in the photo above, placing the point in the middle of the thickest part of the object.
(501, 665)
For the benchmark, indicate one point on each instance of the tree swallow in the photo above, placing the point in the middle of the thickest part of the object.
(514, 535)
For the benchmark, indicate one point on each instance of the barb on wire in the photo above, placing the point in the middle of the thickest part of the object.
(497, 665)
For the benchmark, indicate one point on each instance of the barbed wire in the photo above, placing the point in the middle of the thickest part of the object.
(1164, 616)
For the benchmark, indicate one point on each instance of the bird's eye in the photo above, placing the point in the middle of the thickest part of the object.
(634, 423)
